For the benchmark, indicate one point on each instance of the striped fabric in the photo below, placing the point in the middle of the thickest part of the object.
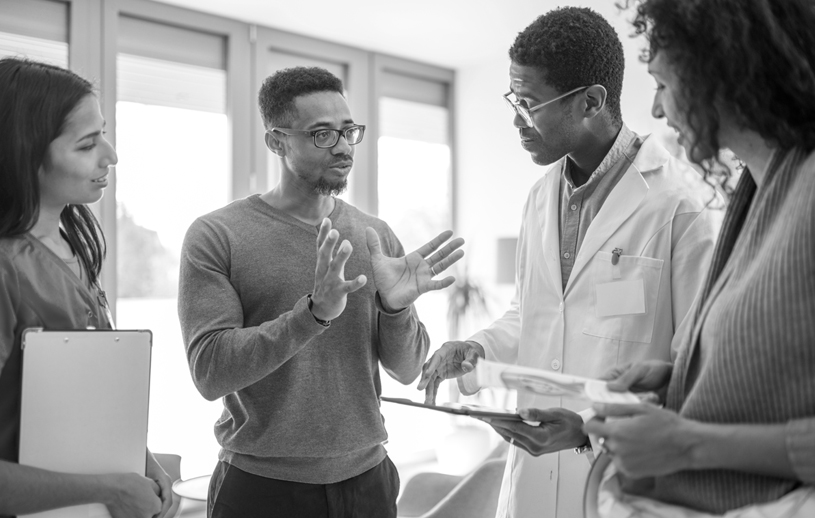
(750, 357)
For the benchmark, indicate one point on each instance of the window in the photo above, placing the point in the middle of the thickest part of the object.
(414, 196)
(172, 137)
(35, 29)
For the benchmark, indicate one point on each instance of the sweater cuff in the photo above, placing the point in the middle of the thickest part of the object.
(381, 307)
(304, 321)
(801, 448)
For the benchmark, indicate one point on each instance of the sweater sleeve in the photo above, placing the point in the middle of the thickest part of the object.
(801, 448)
(403, 340)
(224, 356)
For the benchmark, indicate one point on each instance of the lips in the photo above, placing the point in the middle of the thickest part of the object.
(101, 179)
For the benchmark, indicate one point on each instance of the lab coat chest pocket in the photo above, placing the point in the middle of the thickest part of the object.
(623, 297)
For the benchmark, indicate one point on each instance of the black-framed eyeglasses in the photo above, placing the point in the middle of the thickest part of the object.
(526, 113)
(328, 138)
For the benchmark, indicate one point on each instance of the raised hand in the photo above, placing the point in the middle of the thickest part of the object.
(330, 287)
(401, 280)
(452, 360)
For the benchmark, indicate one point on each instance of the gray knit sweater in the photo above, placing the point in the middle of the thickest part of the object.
(751, 355)
(300, 400)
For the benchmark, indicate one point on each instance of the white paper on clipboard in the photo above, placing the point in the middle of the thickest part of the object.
(84, 405)
(547, 383)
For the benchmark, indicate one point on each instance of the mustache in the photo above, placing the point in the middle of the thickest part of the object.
(343, 160)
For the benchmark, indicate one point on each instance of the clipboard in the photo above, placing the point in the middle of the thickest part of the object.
(84, 405)
(459, 409)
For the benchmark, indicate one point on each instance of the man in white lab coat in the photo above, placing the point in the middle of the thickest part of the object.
(614, 243)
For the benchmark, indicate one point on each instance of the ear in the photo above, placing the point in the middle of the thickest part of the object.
(274, 144)
(595, 100)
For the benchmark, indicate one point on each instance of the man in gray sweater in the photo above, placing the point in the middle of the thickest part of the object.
(272, 326)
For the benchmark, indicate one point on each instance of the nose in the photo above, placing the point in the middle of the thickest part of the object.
(342, 147)
(656, 108)
(109, 157)
(519, 122)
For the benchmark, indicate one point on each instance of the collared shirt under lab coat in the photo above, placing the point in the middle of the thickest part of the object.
(658, 218)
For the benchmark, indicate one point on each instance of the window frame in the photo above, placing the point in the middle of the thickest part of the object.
(383, 63)
(238, 66)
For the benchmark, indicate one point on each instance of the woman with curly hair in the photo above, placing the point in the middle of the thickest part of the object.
(54, 160)
(737, 432)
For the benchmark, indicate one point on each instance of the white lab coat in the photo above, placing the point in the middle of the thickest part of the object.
(659, 220)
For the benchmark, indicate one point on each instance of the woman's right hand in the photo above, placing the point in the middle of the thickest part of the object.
(645, 376)
(132, 496)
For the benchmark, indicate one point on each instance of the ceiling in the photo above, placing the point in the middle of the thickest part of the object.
(450, 33)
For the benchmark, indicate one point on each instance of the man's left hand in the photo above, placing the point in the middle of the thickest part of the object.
(400, 281)
(559, 429)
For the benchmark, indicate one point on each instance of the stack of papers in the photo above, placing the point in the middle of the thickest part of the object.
(547, 383)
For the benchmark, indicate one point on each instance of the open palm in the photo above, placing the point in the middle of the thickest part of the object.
(400, 280)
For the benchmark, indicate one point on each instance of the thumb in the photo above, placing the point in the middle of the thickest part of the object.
(535, 414)
(373, 242)
(625, 380)
(622, 410)
(470, 359)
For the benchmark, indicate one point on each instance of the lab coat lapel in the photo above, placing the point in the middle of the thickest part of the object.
(620, 205)
(546, 204)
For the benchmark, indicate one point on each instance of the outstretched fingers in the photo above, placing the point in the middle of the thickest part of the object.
(337, 268)
(374, 247)
(434, 244)
(438, 264)
(325, 249)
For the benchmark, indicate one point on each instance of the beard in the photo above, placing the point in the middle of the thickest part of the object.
(329, 188)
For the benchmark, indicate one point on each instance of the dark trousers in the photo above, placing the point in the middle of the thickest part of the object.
(237, 494)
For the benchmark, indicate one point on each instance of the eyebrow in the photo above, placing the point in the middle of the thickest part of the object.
(324, 124)
(93, 133)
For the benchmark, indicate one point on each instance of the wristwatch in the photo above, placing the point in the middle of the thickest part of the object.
(324, 323)
(586, 448)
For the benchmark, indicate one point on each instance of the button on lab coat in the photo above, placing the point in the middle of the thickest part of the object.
(656, 214)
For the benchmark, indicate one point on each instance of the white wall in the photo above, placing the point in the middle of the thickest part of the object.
(495, 172)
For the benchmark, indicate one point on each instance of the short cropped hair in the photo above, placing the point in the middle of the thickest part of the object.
(278, 92)
(574, 47)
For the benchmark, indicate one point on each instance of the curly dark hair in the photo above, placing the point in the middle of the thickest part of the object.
(574, 47)
(36, 100)
(277, 94)
(757, 57)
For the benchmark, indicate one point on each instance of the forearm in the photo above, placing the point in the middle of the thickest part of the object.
(25, 490)
(223, 361)
(403, 343)
(757, 449)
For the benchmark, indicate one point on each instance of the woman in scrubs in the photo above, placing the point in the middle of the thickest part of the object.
(54, 161)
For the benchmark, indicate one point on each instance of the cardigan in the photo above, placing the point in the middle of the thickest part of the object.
(750, 355)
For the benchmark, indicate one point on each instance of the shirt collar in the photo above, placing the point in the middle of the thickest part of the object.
(624, 138)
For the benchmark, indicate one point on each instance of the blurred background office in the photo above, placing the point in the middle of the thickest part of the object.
(178, 82)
